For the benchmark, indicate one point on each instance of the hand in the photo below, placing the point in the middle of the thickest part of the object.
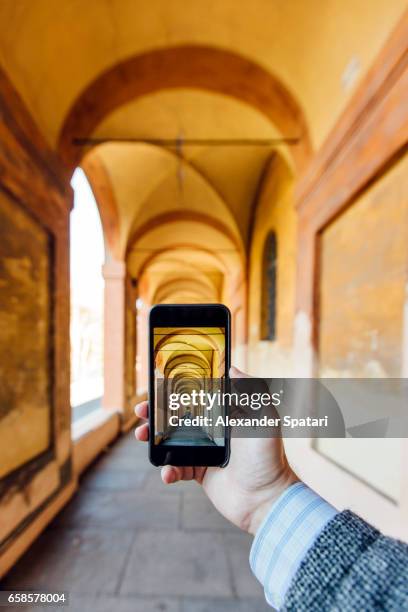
(256, 475)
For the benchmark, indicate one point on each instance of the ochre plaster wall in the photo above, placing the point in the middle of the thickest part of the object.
(275, 212)
(363, 278)
(25, 343)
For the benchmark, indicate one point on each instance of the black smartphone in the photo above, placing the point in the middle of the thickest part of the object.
(189, 362)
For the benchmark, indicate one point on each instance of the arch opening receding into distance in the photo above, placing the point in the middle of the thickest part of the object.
(149, 206)
(183, 233)
(185, 66)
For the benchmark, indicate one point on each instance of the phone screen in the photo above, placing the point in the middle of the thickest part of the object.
(189, 373)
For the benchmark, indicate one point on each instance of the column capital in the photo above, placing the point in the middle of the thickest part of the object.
(114, 270)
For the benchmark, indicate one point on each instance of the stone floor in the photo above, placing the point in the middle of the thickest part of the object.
(127, 543)
(185, 436)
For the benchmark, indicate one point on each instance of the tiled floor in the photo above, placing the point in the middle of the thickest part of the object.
(127, 543)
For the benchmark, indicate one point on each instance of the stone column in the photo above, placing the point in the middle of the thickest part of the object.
(114, 397)
(130, 345)
(119, 339)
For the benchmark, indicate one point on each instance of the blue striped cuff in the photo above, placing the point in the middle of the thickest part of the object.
(282, 541)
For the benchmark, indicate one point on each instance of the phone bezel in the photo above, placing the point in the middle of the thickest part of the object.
(187, 315)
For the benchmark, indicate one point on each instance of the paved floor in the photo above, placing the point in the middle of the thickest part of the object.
(127, 543)
(185, 436)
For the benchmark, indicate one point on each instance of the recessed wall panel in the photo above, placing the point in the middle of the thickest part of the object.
(25, 337)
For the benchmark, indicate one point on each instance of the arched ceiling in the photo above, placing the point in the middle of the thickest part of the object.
(233, 171)
(185, 66)
(180, 236)
(204, 236)
(215, 69)
(184, 274)
(147, 181)
(189, 352)
(53, 50)
(172, 112)
(187, 273)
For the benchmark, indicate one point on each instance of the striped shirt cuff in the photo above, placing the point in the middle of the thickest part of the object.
(293, 524)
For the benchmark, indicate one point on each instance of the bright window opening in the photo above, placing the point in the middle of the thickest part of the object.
(87, 286)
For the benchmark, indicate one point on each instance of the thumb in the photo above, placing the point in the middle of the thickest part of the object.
(235, 373)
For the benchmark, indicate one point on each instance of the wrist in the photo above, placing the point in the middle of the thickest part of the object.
(283, 482)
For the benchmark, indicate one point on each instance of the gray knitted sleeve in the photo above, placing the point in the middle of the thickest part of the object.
(351, 567)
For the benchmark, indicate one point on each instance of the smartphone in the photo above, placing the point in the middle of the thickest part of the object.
(189, 362)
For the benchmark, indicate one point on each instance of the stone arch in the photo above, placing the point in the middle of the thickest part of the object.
(181, 283)
(102, 189)
(191, 66)
(176, 216)
(101, 185)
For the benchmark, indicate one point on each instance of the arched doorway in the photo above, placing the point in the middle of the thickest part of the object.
(86, 296)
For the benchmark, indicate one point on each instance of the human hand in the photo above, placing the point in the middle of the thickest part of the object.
(243, 491)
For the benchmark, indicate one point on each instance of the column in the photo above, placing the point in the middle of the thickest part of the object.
(114, 397)
(130, 344)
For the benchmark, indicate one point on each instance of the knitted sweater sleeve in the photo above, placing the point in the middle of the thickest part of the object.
(351, 567)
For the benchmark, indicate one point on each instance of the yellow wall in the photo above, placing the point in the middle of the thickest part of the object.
(25, 338)
(364, 263)
(275, 212)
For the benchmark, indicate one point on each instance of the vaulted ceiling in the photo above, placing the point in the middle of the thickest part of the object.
(229, 69)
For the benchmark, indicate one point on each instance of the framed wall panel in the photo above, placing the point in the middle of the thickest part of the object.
(26, 356)
(35, 423)
(351, 283)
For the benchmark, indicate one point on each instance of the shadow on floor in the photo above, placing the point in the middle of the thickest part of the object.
(127, 543)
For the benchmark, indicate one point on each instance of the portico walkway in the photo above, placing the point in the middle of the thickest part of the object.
(185, 436)
(127, 543)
